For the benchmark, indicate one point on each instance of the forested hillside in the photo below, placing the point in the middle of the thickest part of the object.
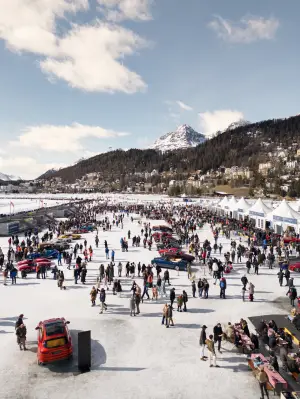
(243, 146)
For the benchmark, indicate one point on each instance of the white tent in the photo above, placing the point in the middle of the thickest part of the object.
(223, 202)
(241, 208)
(284, 216)
(259, 212)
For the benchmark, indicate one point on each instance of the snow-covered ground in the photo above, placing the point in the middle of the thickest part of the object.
(133, 357)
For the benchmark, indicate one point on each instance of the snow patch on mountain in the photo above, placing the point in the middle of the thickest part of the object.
(183, 137)
(240, 123)
(5, 177)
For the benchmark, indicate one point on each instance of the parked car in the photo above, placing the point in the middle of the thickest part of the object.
(168, 244)
(295, 267)
(29, 265)
(158, 235)
(46, 253)
(174, 252)
(54, 341)
(162, 228)
(170, 263)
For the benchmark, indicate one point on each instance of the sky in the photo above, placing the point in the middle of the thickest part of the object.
(83, 77)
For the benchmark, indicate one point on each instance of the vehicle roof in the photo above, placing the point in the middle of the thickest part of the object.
(53, 320)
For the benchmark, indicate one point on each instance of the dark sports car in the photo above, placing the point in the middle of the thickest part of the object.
(170, 263)
(167, 252)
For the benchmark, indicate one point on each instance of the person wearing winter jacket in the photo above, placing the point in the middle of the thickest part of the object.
(93, 295)
(132, 303)
(211, 351)
(194, 289)
(280, 275)
(292, 293)
(202, 341)
(244, 281)
(102, 300)
(218, 334)
(170, 316)
(223, 286)
(251, 292)
(185, 299)
(172, 296)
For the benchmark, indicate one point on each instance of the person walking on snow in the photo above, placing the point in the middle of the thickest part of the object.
(202, 341)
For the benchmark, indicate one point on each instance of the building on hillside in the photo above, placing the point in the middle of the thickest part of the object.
(264, 168)
(291, 164)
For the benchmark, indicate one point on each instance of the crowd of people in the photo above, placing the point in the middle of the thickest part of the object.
(248, 246)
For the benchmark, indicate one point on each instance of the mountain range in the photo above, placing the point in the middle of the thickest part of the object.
(8, 178)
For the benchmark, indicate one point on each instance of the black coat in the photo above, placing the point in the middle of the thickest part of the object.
(202, 337)
(217, 331)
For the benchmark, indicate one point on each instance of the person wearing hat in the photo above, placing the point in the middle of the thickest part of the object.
(202, 342)
(19, 321)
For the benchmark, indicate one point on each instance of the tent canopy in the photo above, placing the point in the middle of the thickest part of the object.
(285, 213)
(259, 209)
(242, 205)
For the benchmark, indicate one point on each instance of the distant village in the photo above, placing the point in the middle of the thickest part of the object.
(273, 178)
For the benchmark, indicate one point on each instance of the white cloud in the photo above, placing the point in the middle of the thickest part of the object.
(61, 138)
(26, 167)
(88, 57)
(28, 25)
(247, 30)
(184, 106)
(118, 10)
(211, 122)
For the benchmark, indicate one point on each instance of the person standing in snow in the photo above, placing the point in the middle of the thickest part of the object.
(21, 332)
(211, 351)
(93, 295)
(102, 300)
(251, 292)
(218, 334)
(132, 303)
(170, 316)
(202, 341)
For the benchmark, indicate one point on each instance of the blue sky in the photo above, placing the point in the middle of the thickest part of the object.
(79, 77)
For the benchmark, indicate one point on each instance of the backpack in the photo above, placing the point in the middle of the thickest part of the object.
(222, 284)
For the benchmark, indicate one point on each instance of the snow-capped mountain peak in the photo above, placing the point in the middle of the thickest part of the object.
(5, 177)
(240, 123)
(183, 137)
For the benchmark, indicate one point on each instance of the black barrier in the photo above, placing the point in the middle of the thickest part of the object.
(84, 351)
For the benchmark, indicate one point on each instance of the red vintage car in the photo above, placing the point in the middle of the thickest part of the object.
(178, 254)
(158, 235)
(295, 267)
(29, 265)
(287, 240)
(54, 341)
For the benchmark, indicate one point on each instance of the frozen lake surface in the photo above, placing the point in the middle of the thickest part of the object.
(132, 357)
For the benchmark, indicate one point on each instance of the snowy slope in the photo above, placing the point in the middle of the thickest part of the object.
(4, 177)
(183, 137)
(240, 123)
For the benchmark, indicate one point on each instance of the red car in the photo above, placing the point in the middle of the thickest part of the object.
(54, 341)
(178, 254)
(160, 235)
(295, 267)
(29, 265)
(287, 240)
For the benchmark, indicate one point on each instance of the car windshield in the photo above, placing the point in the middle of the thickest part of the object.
(55, 328)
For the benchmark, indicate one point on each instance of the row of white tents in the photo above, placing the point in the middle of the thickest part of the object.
(281, 216)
